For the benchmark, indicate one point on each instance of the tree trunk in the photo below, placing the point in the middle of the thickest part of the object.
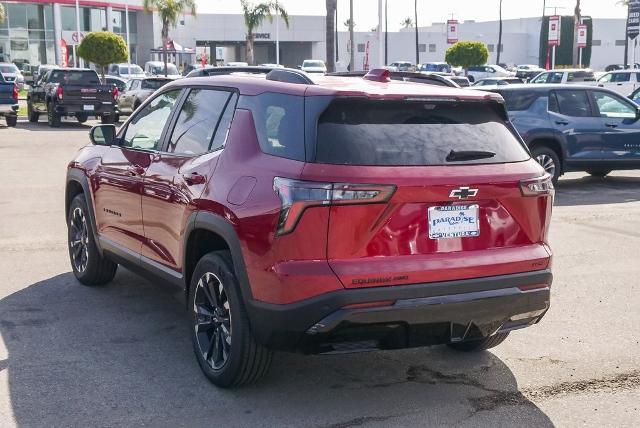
(499, 35)
(352, 59)
(330, 34)
(165, 40)
(415, 9)
(249, 51)
(576, 21)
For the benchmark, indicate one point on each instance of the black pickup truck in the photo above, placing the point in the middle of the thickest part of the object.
(71, 92)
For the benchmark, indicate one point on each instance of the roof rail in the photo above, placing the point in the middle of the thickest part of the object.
(289, 75)
(219, 71)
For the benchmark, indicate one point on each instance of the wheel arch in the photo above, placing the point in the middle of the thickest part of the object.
(77, 183)
(550, 143)
(208, 232)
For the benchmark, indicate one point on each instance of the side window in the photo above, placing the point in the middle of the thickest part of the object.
(542, 78)
(553, 103)
(606, 78)
(557, 78)
(621, 77)
(128, 85)
(491, 70)
(573, 103)
(222, 131)
(196, 125)
(279, 121)
(145, 129)
(612, 106)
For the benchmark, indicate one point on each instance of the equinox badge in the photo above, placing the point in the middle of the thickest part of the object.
(463, 193)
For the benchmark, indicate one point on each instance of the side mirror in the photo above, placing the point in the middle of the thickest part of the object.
(103, 135)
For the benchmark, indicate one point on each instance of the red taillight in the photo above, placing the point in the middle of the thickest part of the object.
(115, 92)
(369, 305)
(15, 93)
(59, 92)
(296, 196)
(537, 186)
(378, 75)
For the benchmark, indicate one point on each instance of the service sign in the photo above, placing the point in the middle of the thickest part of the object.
(633, 21)
(452, 31)
(582, 36)
(554, 30)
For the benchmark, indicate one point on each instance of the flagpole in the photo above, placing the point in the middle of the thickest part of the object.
(76, 60)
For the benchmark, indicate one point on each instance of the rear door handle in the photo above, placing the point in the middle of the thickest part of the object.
(561, 122)
(194, 178)
(135, 170)
(611, 125)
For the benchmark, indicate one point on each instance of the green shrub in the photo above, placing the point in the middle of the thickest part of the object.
(103, 48)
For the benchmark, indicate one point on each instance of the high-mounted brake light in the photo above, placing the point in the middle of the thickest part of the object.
(59, 92)
(115, 92)
(15, 93)
(296, 196)
(537, 186)
(378, 75)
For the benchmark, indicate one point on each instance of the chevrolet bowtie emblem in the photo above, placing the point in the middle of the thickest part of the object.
(463, 193)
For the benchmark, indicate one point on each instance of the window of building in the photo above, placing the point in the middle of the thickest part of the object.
(360, 47)
(595, 42)
(432, 47)
(491, 48)
(619, 42)
(422, 47)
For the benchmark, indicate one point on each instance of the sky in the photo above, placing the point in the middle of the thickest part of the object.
(366, 15)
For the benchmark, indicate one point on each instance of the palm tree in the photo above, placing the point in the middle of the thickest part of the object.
(169, 11)
(576, 22)
(254, 15)
(407, 23)
(2, 17)
(499, 33)
(331, 6)
(347, 23)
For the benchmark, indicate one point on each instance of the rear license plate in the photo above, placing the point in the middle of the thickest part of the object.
(454, 221)
(88, 107)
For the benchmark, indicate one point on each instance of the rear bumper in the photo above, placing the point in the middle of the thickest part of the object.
(9, 109)
(413, 315)
(99, 109)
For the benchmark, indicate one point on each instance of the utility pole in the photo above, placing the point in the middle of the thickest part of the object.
(380, 54)
(336, 31)
(352, 59)
(577, 18)
(386, 33)
(415, 9)
(499, 35)
(76, 60)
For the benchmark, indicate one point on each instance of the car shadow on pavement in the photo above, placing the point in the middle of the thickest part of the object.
(589, 190)
(121, 355)
(66, 125)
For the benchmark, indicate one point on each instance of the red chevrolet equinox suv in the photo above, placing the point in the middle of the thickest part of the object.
(322, 216)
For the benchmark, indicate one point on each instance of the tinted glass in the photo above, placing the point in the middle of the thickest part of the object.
(220, 137)
(519, 100)
(74, 77)
(581, 76)
(606, 78)
(133, 69)
(621, 77)
(145, 129)
(401, 133)
(196, 125)
(279, 121)
(9, 68)
(154, 84)
(542, 78)
(573, 103)
(612, 106)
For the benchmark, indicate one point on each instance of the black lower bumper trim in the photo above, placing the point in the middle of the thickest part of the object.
(437, 312)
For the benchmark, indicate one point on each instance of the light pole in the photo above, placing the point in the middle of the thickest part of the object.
(126, 22)
(352, 59)
(380, 56)
(277, 34)
(76, 60)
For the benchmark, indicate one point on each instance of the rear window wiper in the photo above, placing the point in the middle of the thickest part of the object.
(467, 155)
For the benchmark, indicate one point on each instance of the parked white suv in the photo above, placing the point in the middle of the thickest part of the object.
(624, 82)
(313, 66)
(477, 72)
(569, 75)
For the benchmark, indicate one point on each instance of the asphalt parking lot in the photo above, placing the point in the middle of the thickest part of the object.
(120, 355)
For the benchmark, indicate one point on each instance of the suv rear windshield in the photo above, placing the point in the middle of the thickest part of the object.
(154, 83)
(88, 77)
(401, 133)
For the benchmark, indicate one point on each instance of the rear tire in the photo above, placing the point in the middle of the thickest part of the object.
(89, 267)
(32, 115)
(479, 345)
(11, 120)
(107, 119)
(599, 172)
(222, 340)
(549, 160)
(81, 118)
(53, 118)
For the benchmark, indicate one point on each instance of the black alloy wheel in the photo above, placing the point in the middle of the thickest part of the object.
(212, 321)
(79, 240)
